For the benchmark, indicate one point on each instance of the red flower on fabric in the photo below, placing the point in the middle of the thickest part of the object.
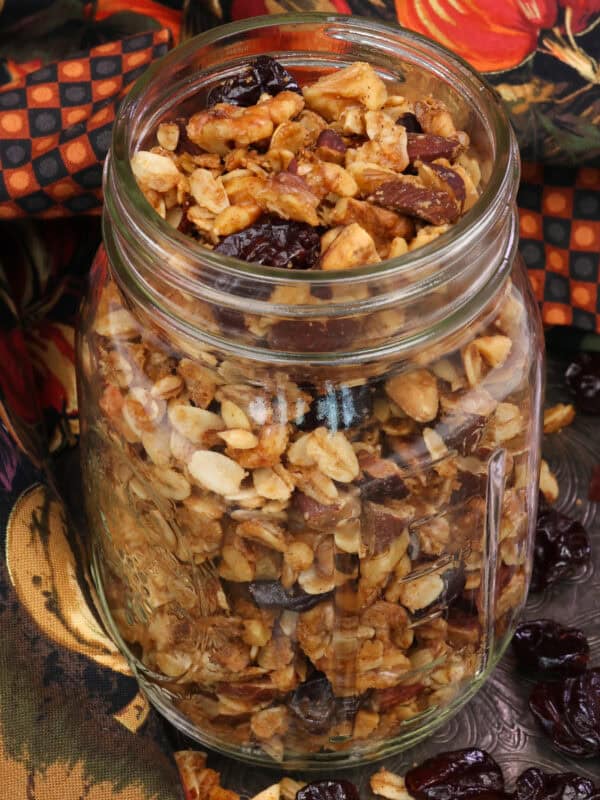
(492, 36)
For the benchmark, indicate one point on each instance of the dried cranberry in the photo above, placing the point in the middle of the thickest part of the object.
(583, 379)
(328, 790)
(274, 242)
(561, 544)
(546, 646)
(468, 773)
(410, 122)
(339, 409)
(313, 703)
(533, 784)
(264, 74)
(594, 490)
(569, 713)
(271, 594)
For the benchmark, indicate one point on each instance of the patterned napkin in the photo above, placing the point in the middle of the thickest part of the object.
(73, 725)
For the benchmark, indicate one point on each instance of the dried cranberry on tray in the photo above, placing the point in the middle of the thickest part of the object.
(535, 784)
(561, 546)
(328, 790)
(469, 773)
(569, 713)
(582, 377)
(548, 647)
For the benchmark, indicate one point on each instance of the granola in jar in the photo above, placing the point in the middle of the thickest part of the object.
(312, 515)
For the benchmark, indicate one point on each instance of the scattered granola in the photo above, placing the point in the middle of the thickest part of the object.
(558, 417)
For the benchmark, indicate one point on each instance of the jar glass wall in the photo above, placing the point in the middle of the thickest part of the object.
(311, 496)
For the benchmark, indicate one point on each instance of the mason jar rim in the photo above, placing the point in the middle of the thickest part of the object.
(496, 196)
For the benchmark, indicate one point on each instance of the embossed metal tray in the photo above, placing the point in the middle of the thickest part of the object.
(497, 719)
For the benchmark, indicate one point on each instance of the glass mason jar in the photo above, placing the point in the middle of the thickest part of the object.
(311, 494)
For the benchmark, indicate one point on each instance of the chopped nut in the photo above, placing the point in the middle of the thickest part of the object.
(330, 147)
(332, 93)
(548, 482)
(352, 247)
(325, 178)
(292, 136)
(416, 393)
(444, 179)
(427, 147)
(290, 197)
(389, 785)
(290, 788)
(434, 117)
(508, 422)
(416, 201)
(214, 128)
(558, 417)
(272, 792)
(381, 224)
(421, 592)
(494, 349)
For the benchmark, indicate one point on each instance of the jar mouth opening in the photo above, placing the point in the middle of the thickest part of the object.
(161, 236)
